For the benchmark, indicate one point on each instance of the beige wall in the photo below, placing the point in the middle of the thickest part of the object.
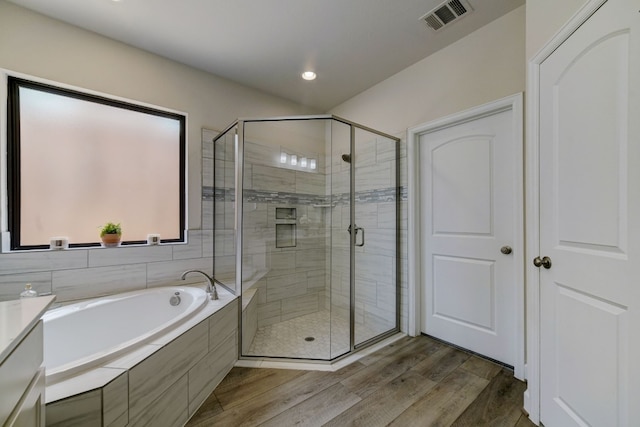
(33, 44)
(38, 46)
(486, 65)
(545, 18)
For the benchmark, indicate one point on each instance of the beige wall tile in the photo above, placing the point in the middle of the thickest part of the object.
(80, 410)
(92, 282)
(149, 379)
(171, 408)
(115, 401)
(222, 323)
(12, 284)
(210, 370)
(29, 262)
(101, 257)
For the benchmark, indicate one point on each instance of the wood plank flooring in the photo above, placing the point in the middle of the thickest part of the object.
(412, 382)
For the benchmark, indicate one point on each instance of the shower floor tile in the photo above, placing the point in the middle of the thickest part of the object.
(287, 338)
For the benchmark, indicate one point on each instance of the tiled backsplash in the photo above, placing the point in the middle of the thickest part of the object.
(316, 200)
(83, 273)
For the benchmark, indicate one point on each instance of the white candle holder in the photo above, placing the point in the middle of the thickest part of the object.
(57, 243)
(153, 239)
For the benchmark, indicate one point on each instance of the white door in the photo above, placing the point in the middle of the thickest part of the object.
(471, 197)
(590, 223)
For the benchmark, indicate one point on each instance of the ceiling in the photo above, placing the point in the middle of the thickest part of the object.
(266, 45)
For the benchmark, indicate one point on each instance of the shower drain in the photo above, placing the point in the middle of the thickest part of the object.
(309, 339)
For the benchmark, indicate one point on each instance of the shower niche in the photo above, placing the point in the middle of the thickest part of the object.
(287, 191)
(285, 227)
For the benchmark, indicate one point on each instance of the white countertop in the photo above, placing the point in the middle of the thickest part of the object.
(17, 318)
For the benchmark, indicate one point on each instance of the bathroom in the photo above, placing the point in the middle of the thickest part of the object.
(477, 69)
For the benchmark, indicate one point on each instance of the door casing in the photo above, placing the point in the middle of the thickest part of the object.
(415, 285)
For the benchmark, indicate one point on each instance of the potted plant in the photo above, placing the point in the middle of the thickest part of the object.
(111, 234)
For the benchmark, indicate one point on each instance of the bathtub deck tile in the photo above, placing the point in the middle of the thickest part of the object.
(250, 323)
(82, 410)
(168, 409)
(210, 371)
(101, 376)
(149, 379)
(91, 380)
(222, 323)
(115, 401)
(121, 421)
(132, 359)
(134, 389)
(204, 314)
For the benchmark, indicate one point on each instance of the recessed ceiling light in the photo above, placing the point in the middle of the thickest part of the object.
(309, 75)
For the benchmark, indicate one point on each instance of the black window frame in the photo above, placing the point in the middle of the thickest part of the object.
(13, 155)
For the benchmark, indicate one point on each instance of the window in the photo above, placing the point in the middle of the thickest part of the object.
(77, 161)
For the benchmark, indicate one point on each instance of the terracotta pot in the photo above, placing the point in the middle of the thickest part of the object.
(111, 240)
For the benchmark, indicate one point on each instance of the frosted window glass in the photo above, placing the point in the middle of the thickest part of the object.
(84, 163)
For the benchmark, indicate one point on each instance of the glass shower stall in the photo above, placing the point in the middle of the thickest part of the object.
(306, 231)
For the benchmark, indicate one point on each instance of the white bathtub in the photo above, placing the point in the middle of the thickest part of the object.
(80, 336)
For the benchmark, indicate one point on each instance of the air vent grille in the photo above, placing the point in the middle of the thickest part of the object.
(457, 7)
(433, 22)
(446, 13)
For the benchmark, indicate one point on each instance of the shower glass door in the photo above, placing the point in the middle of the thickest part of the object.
(374, 234)
(286, 240)
(338, 183)
(306, 231)
(224, 214)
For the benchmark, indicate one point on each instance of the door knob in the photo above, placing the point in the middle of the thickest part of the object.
(506, 250)
(542, 262)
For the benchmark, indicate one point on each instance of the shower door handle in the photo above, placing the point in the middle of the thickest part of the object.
(361, 229)
(357, 229)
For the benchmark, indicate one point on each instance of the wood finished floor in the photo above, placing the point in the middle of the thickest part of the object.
(412, 382)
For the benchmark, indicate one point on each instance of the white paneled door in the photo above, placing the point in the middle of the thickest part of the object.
(589, 148)
(470, 217)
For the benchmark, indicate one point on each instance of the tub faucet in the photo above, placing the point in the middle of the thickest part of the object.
(211, 286)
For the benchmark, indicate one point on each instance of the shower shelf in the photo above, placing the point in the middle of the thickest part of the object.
(286, 227)
(324, 205)
(286, 213)
(286, 236)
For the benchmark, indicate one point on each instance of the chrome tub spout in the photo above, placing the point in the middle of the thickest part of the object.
(211, 286)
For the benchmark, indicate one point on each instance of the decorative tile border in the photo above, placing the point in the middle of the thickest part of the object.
(283, 197)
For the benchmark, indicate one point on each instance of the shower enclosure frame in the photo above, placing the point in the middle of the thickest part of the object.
(239, 149)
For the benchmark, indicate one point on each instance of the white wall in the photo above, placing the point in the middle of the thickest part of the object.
(35, 45)
(484, 66)
(545, 18)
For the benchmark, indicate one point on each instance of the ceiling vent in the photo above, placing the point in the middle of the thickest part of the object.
(446, 13)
